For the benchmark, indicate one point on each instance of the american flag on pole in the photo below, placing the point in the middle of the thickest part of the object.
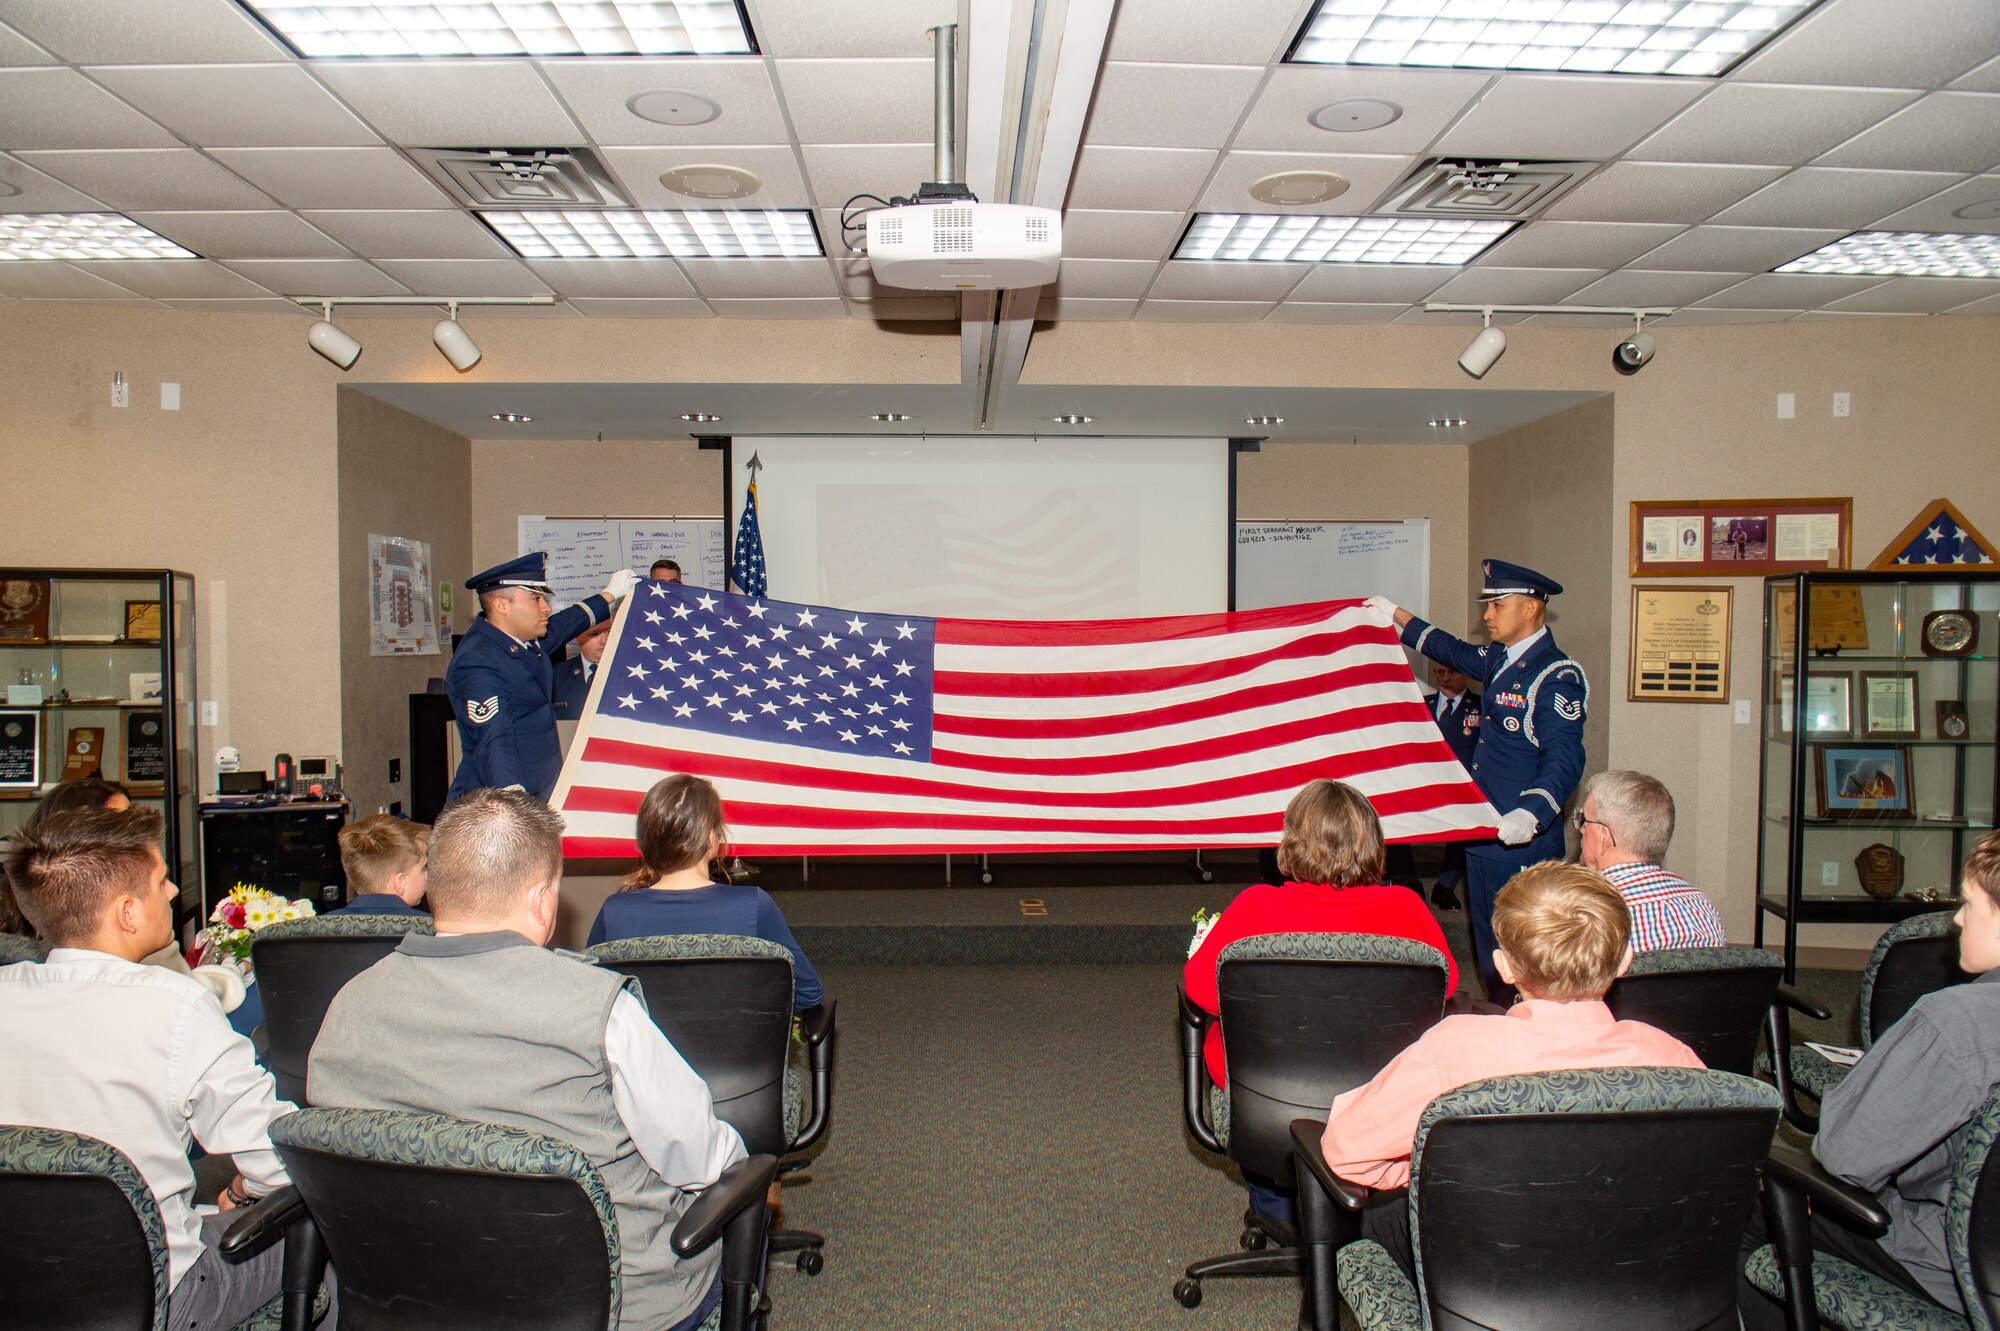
(832, 732)
(746, 570)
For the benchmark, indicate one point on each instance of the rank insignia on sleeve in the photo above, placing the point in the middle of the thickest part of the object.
(479, 713)
(1568, 709)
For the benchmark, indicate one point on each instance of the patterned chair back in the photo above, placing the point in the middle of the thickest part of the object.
(1715, 1000)
(15, 947)
(1972, 1221)
(1574, 1201)
(300, 965)
(1914, 957)
(1307, 1016)
(82, 1246)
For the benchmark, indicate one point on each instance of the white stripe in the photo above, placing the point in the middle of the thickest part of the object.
(1087, 658)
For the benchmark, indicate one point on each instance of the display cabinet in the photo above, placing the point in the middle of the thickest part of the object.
(99, 671)
(1881, 701)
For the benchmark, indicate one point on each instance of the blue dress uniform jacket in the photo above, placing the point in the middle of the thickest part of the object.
(572, 689)
(501, 695)
(1463, 731)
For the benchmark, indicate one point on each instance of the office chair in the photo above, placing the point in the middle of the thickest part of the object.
(1304, 1018)
(1718, 1001)
(18, 947)
(300, 965)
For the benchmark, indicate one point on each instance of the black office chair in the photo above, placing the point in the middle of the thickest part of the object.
(439, 1224)
(82, 1245)
(1718, 1001)
(300, 965)
(1557, 1201)
(1304, 1018)
(18, 947)
(725, 1002)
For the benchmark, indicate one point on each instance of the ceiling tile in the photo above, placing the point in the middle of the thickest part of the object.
(120, 32)
(48, 279)
(211, 106)
(453, 103)
(1240, 32)
(1696, 317)
(1990, 305)
(1371, 283)
(1789, 291)
(858, 101)
(1940, 211)
(835, 241)
(318, 277)
(1089, 234)
(1369, 179)
(150, 179)
(1736, 249)
(226, 305)
(1566, 115)
(909, 309)
(465, 277)
(417, 234)
(335, 177)
(18, 50)
(1577, 244)
(595, 308)
(1202, 311)
(837, 172)
(879, 28)
(1169, 106)
(1096, 279)
(478, 313)
(761, 278)
(171, 278)
(599, 91)
(1658, 192)
(60, 108)
(1514, 286)
(1984, 79)
(1946, 131)
(1918, 295)
(1146, 179)
(1876, 43)
(1193, 280)
(261, 235)
(1634, 286)
(1831, 196)
(1455, 318)
(1329, 312)
(1429, 100)
(781, 309)
(616, 278)
(1766, 123)
(1820, 316)
(26, 190)
(1079, 311)
(778, 167)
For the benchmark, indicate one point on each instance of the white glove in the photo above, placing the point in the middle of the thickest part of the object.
(1517, 828)
(1382, 606)
(621, 585)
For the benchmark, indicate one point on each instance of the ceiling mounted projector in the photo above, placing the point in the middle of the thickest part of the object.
(965, 246)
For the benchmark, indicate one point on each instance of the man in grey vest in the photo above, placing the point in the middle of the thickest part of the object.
(483, 1022)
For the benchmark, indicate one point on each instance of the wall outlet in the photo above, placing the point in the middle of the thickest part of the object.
(211, 712)
(1841, 404)
(1788, 406)
(395, 770)
(1829, 873)
(121, 392)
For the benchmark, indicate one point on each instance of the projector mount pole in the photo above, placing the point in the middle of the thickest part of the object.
(944, 185)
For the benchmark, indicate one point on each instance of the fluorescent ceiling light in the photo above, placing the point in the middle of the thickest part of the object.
(1690, 37)
(82, 236)
(364, 29)
(1265, 236)
(657, 234)
(1904, 254)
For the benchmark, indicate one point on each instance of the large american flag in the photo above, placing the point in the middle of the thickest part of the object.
(833, 732)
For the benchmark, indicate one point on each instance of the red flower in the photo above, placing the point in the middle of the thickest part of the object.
(233, 914)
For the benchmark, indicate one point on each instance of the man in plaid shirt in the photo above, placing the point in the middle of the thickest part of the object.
(1623, 826)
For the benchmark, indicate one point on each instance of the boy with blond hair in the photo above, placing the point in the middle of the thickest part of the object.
(384, 858)
(1564, 935)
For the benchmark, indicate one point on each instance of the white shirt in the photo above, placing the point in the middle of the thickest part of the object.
(1448, 701)
(666, 1108)
(1516, 650)
(140, 1057)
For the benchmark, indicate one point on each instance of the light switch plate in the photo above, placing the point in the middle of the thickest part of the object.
(1743, 712)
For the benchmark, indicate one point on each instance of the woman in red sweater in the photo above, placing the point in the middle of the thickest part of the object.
(1332, 855)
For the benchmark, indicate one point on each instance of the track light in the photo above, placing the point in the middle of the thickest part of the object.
(331, 343)
(456, 344)
(1635, 352)
(1485, 348)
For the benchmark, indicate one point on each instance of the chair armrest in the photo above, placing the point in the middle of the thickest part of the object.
(1191, 1015)
(262, 1223)
(1854, 1207)
(1778, 1034)
(1799, 1003)
(1306, 1133)
(1194, 1076)
(817, 1022)
(742, 1185)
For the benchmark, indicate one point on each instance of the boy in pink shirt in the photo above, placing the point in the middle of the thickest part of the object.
(1563, 935)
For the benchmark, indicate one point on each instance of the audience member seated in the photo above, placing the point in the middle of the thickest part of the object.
(89, 792)
(483, 1022)
(1563, 938)
(1623, 827)
(1899, 1122)
(383, 857)
(680, 832)
(133, 1055)
(1331, 855)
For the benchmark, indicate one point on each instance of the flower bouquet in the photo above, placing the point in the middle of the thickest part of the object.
(236, 919)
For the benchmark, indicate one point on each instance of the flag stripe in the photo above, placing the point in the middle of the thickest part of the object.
(1211, 705)
(1113, 632)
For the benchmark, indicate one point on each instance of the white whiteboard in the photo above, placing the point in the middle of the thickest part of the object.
(585, 552)
(1291, 563)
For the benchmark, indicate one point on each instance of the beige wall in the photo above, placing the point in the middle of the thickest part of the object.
(584, 478)
(398, 476)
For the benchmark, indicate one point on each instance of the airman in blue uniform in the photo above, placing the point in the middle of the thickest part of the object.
(1530, 751)
(500, 680)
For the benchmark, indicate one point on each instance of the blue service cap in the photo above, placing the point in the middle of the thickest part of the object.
(1505, 579)
(529, 571)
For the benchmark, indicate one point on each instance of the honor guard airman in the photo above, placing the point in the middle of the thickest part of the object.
(1530, 750)
(500, 680)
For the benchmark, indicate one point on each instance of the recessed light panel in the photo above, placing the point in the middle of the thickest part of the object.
(1904, 254)
(1272, 237)
(82, 236)
(365, 29)
(658, 234)
(1689, 37)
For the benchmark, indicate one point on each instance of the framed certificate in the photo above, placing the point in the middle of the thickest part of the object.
(142, 621)
(1680, 644)
(1829, 704)
(1889, 704)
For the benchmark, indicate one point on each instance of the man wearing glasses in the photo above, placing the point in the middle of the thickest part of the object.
(1622, 829)
(501, 682)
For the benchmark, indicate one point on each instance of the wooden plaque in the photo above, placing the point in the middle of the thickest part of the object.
(24, 609)
(83, 755)
(142, 621)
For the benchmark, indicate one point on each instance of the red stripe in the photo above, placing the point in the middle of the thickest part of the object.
(1110, 632)
(1012, 682)
(588, 848)
(744, 813)
(1209, 750)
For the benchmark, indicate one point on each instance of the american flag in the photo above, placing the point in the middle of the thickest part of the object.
(837, 732)
(747, 569)
(1943, 541)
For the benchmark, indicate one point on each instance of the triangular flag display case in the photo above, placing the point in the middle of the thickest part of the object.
(1939, 540)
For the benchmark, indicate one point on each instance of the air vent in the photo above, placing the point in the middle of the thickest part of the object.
(522, 178)
(1036, 231)
(1474, 187)
(891, 230)
(952, 232)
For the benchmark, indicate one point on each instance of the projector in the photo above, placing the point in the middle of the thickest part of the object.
(965, 246)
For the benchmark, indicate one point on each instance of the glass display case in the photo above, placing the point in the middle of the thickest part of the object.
(1881, 701)
(98, 667)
